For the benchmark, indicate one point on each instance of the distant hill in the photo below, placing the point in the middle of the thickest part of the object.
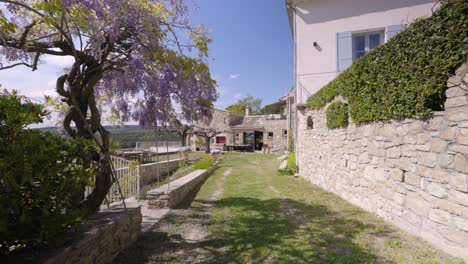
(127, 135)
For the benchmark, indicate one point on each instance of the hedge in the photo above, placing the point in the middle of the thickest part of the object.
(406, 77)
(337, 115)
(42, 178)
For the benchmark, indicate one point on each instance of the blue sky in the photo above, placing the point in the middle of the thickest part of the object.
(251, 53)
(252, 49)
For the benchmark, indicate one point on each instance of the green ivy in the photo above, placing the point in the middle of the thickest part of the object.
(337, 115)
(406, 77)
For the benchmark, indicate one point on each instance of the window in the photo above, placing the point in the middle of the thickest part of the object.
(285, 133)
(270, 135)
(363, 43)
(220, 140)
(310, 123)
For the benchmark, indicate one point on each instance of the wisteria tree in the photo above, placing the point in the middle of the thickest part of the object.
(141, 55)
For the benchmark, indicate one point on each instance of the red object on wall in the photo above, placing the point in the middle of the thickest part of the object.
(220, 140)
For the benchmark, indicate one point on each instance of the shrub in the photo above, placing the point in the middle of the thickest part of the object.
(41, 178)
(291, 168)
(337, 115)
(203, 164)
(406, 77)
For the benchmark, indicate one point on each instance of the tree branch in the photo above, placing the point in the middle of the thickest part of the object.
(17, 64)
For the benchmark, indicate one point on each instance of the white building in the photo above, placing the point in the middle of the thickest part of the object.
(329, 34)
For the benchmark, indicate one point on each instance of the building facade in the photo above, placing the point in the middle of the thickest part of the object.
(329, 34)
(267, 133)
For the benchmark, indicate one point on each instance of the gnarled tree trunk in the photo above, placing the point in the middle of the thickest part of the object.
(84, 113)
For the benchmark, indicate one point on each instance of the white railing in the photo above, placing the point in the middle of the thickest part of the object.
(128, 177)
(160, 146)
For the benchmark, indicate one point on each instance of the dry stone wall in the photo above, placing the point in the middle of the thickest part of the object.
(151, 171)
(174, 193)
(106, 235)
(412, 173)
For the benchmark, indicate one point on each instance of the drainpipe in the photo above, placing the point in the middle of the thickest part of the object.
(296, 86)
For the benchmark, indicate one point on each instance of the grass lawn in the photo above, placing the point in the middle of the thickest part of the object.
(247, 213)
(194, 155)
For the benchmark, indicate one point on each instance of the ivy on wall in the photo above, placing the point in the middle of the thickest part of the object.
(337, 115)
(406, 77)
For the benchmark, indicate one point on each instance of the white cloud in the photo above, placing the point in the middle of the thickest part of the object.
(233, 76)
(58, 61)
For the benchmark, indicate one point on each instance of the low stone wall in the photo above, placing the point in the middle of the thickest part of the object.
(412, 173)
(106, 235)
(151, 171)
(171, 195)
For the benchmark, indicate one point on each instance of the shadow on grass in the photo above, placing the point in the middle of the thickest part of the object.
(244, 230)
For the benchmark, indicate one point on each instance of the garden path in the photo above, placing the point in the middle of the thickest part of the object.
(247, 213)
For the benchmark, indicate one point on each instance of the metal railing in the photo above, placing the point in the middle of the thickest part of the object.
(128, 177)
(160, 146)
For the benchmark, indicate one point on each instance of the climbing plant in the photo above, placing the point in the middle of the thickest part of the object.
(337, 115)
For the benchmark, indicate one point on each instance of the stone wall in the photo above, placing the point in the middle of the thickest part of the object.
(279, 140)
(412, 173)
(151, 171)
(173, 194)
(106, 235)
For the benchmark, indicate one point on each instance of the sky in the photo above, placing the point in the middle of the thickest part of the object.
(252, 49)
(251, 53)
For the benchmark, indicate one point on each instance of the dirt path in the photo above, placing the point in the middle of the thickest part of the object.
(247, 213)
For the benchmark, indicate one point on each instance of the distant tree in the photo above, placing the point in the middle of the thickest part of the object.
(207, 134)
(277, 108)
(255, 105)
(132, 52)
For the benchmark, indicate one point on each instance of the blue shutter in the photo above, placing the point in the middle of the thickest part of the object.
(393, 30)
(344, 50)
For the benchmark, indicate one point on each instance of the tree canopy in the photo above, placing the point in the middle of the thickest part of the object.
(255, 105)
(134, 53)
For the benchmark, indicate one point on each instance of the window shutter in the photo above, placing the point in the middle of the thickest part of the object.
(344, 50)
(393, 30)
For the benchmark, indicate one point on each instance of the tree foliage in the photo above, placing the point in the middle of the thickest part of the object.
(276, 108)
(131, 52)
(39, 176)
(254, 104)
(406, 77)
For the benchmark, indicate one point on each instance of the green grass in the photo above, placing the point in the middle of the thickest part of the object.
(249, 213)
(193, 156)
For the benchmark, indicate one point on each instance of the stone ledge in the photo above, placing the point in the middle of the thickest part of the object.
(151, 171)
(173, 193)
(105, 235)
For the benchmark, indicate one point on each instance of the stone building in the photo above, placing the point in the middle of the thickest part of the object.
(270, 132)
